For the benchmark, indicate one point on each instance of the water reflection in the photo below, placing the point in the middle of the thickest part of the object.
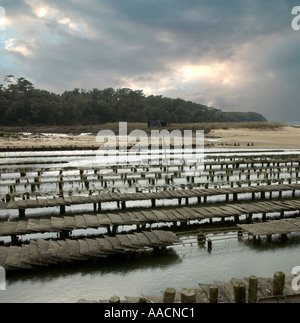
(118, 265)
(262, 245)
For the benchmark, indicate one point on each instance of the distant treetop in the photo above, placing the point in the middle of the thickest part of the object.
(23, 105)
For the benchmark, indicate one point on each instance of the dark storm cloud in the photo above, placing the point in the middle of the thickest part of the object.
(234, 54)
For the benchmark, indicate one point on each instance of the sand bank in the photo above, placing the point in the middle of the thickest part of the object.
(281, 138)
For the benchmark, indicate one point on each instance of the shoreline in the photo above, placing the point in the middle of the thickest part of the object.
(287, 137)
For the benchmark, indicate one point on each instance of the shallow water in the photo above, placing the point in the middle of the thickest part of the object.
(182, 266)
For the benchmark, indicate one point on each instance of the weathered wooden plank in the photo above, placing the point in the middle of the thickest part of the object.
(115, 244)
(91, 220)
(13, 259)
(51, 202)
(143, 239)
(60, 201)
(68, 200)
(116, 219)
(187, 215)
(172, 217)
(76, 200)
(179, 216)
(104, 219)
(203, 212)
(33, 225)
(57, 252)
(40, 252)
(69, 222)
(225, 291)
(106, 246)
(13, 205)
(74, 250)
(80, 222)
(125, 241)
(42, 202)
(228, 211)
(26, 257)
(126, 218)
(8, 228)
(84, 248)
(193, 213)
(135, 241)
(153, 238)
(57, 223)
(21, 227)
(95, 250)
(166, 236)
(151, 217)
(134, 218)
(162, 217)
(138, 215)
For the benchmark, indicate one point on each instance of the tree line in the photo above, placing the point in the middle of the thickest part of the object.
(23, 105)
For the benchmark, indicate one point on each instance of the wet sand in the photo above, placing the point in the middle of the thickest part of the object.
(281, 138)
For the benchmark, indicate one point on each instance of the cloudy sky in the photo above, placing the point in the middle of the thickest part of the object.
(236, 55)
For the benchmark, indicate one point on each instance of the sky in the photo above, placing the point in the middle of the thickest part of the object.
(234, 55)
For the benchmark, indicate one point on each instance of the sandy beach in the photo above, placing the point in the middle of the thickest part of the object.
(280, 138)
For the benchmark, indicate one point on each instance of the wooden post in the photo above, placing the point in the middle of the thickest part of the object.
(209, 245)
(253, 288)
(240, 234)
(14, 240)
(64, 234)
(239, 290)
(249, 217)
(283, 237)
(278, 283)
(22, 213)
(201, 238)
(213, 294)
(153, 202)
(62, 209)
(115, 300)
(114, 229)
(188, 295)
(169, 295)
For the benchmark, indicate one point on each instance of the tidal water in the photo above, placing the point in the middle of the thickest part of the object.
(182, 266)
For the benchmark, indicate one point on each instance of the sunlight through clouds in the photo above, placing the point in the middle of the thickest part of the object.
(236, 54)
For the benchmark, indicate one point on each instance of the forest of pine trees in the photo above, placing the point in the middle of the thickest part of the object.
(23, 105)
